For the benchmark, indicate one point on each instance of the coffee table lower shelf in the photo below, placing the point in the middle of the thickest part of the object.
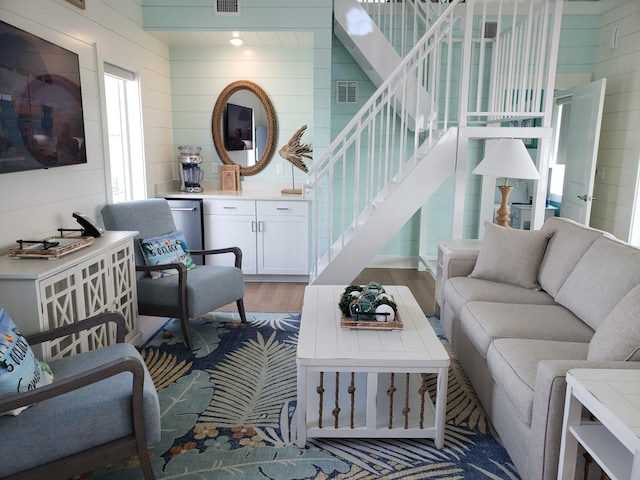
(372, 407)
(367, 409)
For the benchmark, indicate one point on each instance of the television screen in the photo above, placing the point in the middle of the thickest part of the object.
(41, 122)
(238, 132)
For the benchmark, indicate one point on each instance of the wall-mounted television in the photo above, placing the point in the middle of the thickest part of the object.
(41, 121)
(238, 127)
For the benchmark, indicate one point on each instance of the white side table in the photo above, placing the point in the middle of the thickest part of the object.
(613, 397)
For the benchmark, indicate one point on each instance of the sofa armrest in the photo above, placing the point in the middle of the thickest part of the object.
(83, 379)
(237, 252)
(548, 408)
(458, 264)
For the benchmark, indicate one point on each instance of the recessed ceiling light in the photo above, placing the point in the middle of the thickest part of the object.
(236, 41)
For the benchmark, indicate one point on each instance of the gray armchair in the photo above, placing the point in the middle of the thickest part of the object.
(101, 407)
(190, 293)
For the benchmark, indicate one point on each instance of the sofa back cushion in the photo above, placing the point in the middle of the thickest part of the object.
(605, 273)
(618, 336)
(567, 245)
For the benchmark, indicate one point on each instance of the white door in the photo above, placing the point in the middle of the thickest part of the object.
(582, 150)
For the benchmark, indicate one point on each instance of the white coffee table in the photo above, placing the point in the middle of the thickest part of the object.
(374, 377)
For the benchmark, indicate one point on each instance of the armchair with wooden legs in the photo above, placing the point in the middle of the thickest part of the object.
(189, 294)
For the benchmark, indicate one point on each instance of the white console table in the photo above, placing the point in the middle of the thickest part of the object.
(40, 294)
(613, 397)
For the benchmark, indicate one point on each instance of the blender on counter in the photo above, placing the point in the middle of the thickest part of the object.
(190, 172)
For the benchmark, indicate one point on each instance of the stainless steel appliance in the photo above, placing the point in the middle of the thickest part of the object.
(187, 214)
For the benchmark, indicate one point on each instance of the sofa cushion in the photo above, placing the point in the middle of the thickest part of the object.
(460, 290)
(513, 364)
(511, 256)
(567, 245)
(604, 274)
(618, 336)
(486, 321)
(46, 427)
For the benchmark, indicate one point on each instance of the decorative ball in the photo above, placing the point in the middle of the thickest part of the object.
(385, 295)
(361, 306)
(374, 288)
(356, 294)
(385, 313)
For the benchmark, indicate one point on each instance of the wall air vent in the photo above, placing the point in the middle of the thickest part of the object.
(346, 91)
(490, 29)
(226, 7)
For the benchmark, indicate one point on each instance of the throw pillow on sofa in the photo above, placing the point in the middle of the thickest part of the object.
(20, 371)
(618, 336)
(169, 248)
(511, 256)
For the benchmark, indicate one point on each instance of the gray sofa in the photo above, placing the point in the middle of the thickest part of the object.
(530, 306)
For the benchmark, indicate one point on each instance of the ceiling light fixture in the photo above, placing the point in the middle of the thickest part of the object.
(236, 41)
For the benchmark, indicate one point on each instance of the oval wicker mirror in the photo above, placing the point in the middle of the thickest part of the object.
(259, 138)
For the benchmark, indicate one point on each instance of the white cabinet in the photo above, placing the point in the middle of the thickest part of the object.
(41, 294)
(273, 234)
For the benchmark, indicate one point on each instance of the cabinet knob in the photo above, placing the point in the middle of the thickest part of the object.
(228, 208)
(282, 208)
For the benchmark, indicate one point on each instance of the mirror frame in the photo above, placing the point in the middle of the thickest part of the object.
(216, 125)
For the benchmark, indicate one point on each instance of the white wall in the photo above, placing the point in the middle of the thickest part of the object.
(619, 151)
(36, 203)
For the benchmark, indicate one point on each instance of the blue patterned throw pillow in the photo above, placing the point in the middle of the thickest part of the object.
(20, 371)
(169, 248)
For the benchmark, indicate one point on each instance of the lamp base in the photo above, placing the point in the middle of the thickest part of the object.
(503, 212)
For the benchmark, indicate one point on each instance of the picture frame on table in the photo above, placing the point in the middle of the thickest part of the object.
(229, 178)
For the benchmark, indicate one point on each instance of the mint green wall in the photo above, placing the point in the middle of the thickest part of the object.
(578, 38)
(331, 62)
(268, 16)
(199, 74)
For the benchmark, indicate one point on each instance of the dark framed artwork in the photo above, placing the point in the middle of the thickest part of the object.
(527, 122)
(78, 3)
(41, 115)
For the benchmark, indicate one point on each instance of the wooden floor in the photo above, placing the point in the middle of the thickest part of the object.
(288, 297)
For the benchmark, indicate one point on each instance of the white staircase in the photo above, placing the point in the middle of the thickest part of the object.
(381, 169)
(376, 54)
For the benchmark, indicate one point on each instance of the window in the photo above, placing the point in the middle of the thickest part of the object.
(124, 125)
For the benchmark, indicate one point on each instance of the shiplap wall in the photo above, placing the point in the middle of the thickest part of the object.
(311, 16)
(199, 74)
(619, 150)
(36, 203)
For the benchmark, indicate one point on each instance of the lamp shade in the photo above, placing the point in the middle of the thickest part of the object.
(508, 158)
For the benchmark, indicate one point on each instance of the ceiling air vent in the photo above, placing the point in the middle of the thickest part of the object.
(226, 7)
(346, 91)
(490, 29)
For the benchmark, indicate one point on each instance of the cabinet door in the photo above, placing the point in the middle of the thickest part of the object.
(222, 231)
(71, 296)
(282, 245)
(123, 281)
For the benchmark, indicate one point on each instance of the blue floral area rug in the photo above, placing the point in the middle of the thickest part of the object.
(228, 412)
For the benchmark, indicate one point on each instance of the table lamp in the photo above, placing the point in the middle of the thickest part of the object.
(509, 159)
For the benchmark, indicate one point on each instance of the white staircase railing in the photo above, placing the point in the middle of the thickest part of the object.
(383, 142)
(403, 23)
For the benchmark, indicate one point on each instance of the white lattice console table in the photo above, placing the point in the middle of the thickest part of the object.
(368, 383)
(40, 294)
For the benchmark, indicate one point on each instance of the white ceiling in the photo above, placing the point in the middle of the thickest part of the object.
(251, 39)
